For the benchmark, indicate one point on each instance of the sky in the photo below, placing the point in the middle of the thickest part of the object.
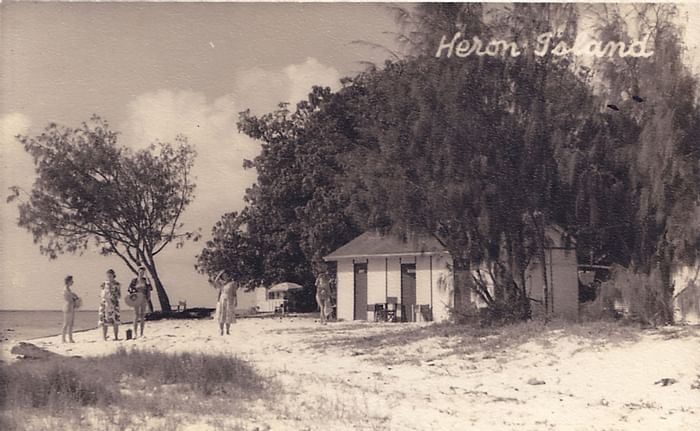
(156, 70)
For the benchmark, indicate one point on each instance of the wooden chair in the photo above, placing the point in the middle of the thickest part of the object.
(391, 308)
(379, 313)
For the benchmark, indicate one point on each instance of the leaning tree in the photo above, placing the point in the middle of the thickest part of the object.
(89, 190)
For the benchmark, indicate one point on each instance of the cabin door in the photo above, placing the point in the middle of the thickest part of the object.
(360, 291)
(408, 289)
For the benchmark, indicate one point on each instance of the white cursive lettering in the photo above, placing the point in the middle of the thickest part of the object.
(463, 47)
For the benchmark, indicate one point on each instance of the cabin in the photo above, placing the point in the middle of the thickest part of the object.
(562, 272)
(251, 301)
(385, 277)
(264, 300)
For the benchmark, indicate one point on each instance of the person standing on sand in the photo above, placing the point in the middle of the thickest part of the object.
(323, 296)
(109, 304)
(140, 289)
(226, 303)
(71, 302)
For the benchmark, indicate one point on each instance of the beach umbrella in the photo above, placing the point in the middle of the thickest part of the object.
(284, 287)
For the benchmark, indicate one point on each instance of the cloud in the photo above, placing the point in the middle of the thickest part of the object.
(210, 126)
(261, 90)
(11, 125)
(303, 76)
(15, 162)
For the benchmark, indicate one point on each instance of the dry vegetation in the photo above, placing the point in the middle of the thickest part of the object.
(121, 390)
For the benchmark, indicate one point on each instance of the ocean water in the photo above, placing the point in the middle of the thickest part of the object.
(24, 325)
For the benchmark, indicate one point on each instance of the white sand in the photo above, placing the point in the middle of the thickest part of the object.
(439, 383)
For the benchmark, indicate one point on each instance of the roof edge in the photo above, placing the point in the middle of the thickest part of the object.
(355, 256)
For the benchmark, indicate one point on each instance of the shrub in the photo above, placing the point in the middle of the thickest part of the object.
(633, 295)
(56, 385)
(60, 384)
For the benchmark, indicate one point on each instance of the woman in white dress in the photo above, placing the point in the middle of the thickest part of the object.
(226, 303)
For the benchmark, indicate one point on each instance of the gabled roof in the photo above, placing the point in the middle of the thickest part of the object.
(372, 243)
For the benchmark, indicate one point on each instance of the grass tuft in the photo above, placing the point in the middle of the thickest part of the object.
(206, 374)
(135, 378)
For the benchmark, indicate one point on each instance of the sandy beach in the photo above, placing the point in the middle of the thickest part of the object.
(424, 377)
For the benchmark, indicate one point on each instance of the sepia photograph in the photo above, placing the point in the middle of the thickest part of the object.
(301, 216)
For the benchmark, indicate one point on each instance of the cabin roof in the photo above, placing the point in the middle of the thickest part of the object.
(372, 243)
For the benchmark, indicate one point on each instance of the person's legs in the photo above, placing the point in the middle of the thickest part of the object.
(116, 331)
(221, 328)
(136, 320)
(143, 319)
(71, 320)
(104, 331)
(228, 328)
(64, 329)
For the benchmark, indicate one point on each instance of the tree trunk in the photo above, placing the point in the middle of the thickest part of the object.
(160, 290)
(665, 264)
(462, 286)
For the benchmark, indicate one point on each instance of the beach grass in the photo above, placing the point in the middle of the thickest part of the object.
(468, 339)
(119, 389)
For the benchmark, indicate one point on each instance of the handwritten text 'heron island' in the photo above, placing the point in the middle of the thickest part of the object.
(463, 47)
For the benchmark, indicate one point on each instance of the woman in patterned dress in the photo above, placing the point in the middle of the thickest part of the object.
(109, 305)
(226, 304)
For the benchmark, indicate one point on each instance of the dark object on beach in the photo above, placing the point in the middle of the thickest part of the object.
(637, 99)
(535, 381)
(190, 313)
(614, 107)
(30, 351)
(666, 381)
(129, 334)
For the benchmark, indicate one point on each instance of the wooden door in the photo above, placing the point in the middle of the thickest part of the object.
(408, 289)
(360, 270)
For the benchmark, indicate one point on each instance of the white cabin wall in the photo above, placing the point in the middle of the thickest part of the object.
(346, 288)
(376, 281)
(394, 278)
(423, 280)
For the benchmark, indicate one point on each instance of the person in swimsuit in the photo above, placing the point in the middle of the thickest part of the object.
(142, 285)
(71, 302)
(323, 296)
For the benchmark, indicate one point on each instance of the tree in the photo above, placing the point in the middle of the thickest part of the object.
(233, 250)
(295, 212)
(659, 94)
(90, 190)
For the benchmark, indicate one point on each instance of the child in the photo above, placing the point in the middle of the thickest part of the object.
(71, 302)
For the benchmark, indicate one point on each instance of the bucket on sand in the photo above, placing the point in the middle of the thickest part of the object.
(129, 334)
